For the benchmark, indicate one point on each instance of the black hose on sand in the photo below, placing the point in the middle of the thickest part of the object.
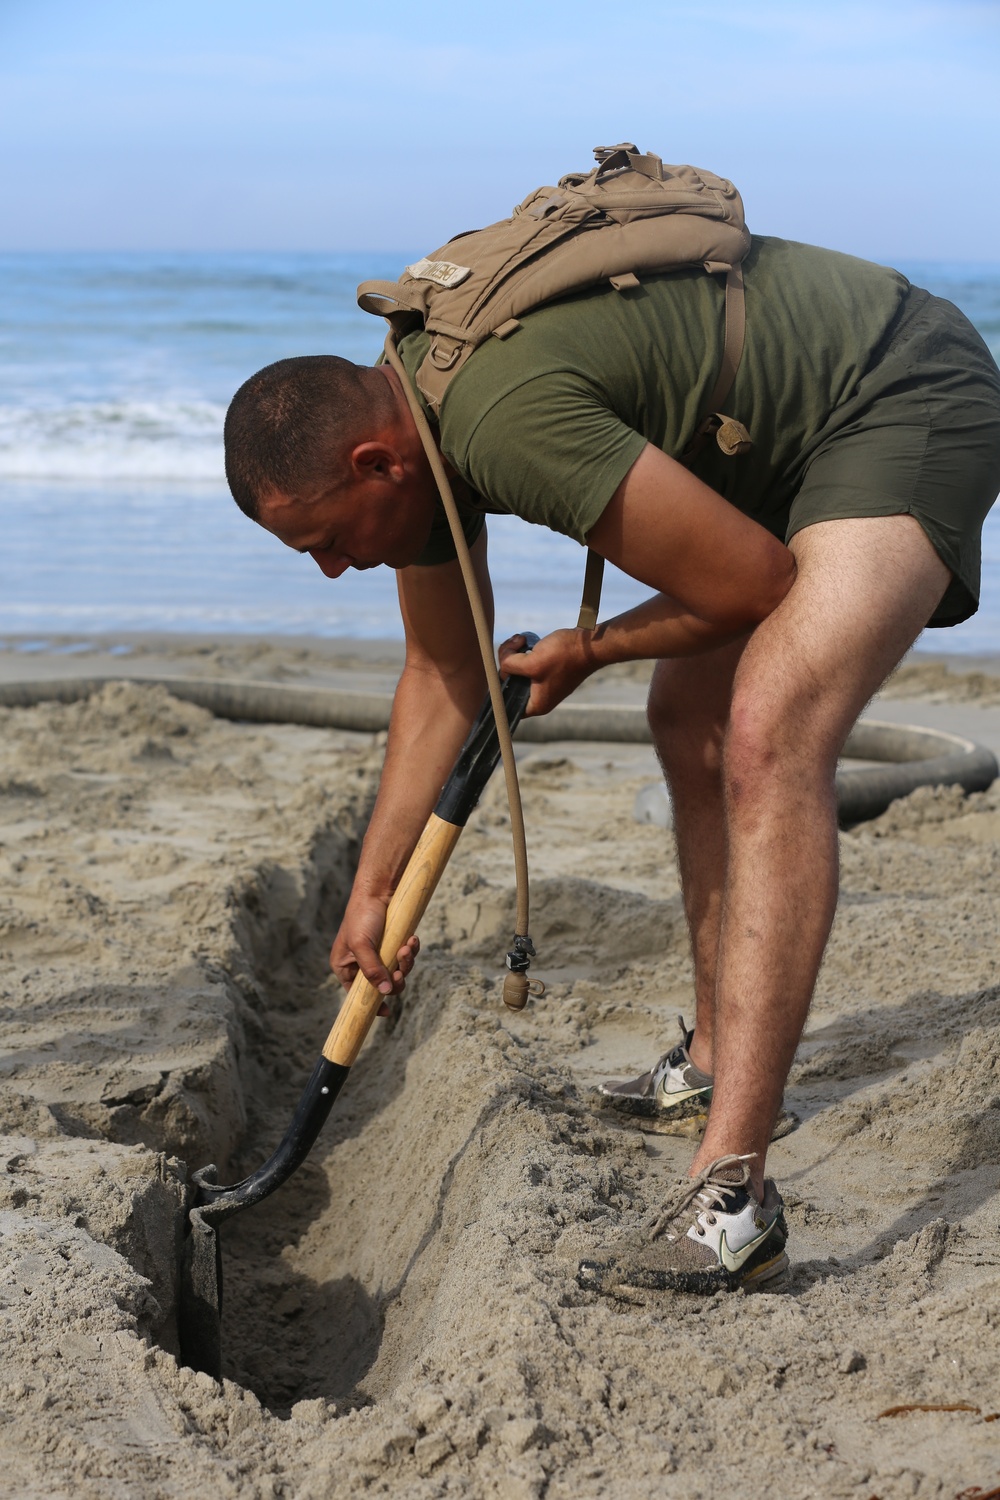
(908, 756)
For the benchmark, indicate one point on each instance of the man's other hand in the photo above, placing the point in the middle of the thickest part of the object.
(555, 667)
(356, 948)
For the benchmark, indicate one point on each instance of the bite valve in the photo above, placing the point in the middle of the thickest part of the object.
(515, 991)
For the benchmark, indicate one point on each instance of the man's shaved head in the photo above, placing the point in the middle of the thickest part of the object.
(291, 426)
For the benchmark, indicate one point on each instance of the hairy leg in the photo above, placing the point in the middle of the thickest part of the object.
(688, 712)
(864, 590)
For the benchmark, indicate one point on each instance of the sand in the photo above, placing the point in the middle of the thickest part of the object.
(403, 1317)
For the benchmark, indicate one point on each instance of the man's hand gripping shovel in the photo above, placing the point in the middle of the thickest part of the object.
(201, 1268)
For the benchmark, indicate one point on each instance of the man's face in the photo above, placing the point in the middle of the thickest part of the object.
(379, 516)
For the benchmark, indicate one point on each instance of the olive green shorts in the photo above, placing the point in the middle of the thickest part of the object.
(920, 436)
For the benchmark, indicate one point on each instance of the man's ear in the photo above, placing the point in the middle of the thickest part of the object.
(376, 460)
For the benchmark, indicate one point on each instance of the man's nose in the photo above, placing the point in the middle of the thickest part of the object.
(331, 564)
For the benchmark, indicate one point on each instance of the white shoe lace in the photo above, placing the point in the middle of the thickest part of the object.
(705, 1192)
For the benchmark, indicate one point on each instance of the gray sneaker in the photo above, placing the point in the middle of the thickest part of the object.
(713, 1235)
(673, 1086)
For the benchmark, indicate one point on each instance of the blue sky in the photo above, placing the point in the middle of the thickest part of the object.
(293, 124)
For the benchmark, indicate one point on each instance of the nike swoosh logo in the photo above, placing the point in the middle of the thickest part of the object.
(734, 1262)
(680, 1096)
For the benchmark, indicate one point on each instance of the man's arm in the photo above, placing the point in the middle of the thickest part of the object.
(718, 572)
(437, 698)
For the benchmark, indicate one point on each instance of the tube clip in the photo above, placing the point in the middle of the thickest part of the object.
(521, 952)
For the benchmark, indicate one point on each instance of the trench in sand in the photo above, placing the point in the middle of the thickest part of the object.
(288, 1332)
(315, 1274)
(395, 1225)
(459, 1144)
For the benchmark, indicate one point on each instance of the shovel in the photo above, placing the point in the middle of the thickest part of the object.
(200, 1293)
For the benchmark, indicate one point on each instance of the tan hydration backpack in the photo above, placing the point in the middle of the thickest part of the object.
(631, 216)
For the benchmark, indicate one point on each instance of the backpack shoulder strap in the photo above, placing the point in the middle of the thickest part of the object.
(590, 603)
(736, 325)
(732, 353)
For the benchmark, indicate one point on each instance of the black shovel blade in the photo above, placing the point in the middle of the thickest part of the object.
(199, 1320)
(199, 1316)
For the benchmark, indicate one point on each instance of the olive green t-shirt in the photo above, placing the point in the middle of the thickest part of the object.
(546, 423)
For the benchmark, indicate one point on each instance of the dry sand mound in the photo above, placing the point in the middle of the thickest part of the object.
(938, 682)
(403, 1318)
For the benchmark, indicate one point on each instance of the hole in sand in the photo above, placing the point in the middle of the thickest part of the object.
(334, 1285)
(295, 1326)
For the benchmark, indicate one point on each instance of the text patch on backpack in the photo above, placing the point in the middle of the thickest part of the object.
(444, 272)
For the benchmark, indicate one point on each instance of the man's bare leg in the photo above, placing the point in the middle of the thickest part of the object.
(688, 713)
(864, 590)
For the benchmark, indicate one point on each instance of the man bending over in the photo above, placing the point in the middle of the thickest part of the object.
(786, 583)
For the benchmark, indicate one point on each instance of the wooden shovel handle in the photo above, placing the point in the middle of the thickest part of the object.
(408, 904)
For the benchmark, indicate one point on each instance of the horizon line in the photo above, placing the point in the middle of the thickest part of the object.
(877, 257)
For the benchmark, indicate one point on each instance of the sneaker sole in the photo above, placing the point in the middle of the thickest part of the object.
(606, 1277)
(693, 1113)
(652, 1109)
(769, 1271)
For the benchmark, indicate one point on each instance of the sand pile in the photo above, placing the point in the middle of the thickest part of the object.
(938, 683)
(403, 1318)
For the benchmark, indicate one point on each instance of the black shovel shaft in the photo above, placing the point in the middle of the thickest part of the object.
(480, 755)
(476, 763)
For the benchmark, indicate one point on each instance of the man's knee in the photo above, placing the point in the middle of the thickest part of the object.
(778, 734)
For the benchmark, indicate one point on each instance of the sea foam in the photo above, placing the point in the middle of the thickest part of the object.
(152, 439)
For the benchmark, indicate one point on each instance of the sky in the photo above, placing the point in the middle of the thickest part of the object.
(316, 125)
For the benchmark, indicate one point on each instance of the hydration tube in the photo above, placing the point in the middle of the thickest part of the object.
(516, 987)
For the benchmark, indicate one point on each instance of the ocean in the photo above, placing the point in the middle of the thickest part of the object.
(115, 374)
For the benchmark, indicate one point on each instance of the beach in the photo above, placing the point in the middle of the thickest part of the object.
(218, 219)
(404, 1316)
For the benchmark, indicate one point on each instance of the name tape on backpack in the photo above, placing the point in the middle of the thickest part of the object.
(444, 272)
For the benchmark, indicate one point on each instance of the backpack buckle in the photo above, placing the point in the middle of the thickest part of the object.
(627, 155)
(601, 153)
(444, 352)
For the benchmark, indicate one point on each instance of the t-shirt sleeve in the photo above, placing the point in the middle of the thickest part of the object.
(550, 451)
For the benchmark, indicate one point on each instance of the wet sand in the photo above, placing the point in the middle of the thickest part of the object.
(403, 1318)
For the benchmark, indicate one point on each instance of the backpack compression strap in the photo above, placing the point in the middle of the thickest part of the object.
(374, 295)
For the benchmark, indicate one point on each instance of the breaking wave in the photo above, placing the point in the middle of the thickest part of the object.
(106, 440)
